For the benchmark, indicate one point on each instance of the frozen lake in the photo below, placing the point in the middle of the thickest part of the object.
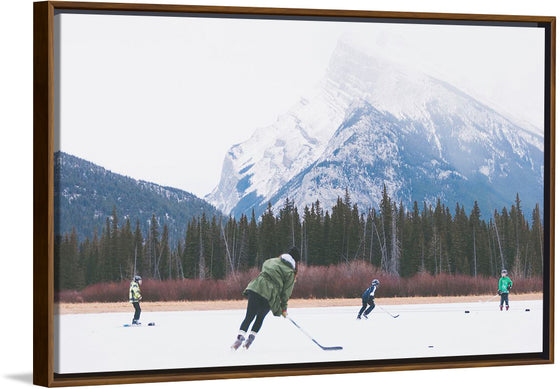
(189, 339)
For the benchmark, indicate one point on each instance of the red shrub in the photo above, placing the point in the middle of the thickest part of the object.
(342, 280)
(68, 296)
(106, 292)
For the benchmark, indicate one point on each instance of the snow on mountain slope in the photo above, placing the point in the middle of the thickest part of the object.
(372, 122)
(259, 166)
(374, 148)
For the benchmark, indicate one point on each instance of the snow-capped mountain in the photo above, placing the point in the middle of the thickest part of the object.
(372, 122)
(255, 169)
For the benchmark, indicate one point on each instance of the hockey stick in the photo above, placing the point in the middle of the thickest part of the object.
(491, 298)
(389, 313)
(314, 341)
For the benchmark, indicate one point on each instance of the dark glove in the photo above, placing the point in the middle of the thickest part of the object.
(499, 292)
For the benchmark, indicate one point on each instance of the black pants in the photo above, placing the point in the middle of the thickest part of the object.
(504, 299)
(365, 303)
(257, 308)
(137, 311)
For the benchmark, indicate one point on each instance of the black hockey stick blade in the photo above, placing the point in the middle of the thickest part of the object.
(325, 348)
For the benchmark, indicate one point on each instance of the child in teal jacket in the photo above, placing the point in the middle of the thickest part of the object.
(504, 285)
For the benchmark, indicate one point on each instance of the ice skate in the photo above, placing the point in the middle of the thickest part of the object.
(238, 342)
(249, 341)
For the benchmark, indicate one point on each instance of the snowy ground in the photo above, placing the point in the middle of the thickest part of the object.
(100, 343)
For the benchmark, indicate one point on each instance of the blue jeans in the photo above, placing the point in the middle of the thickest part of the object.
(504, 299)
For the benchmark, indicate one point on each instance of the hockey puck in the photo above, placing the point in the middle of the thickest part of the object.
(527, 310)
(430, 346)
(467, 311)
(151, 324)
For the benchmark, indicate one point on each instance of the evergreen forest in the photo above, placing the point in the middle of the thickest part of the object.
(427, 239)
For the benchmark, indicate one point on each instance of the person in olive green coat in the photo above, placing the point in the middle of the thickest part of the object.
(270, 291)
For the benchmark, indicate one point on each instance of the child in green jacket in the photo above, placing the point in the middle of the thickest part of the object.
(504, 285)
(270, 291)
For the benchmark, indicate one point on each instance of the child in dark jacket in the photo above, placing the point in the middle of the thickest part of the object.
(368, 298)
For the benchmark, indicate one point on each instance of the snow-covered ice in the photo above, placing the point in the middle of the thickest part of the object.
(191, 339)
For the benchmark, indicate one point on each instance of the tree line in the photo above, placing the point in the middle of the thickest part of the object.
(399, 241)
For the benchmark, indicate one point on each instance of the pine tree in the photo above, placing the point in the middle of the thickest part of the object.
(402, 228)
(165, 267)
(125, 248)
(115, 256)
(252, 243)
(267, 237)
(138, 257)
(314, 234)
(394, 262)
(189, 255)
(519, 239)
(479, 262)
(68, 274)
(377, 249)
(153, 248)
(537, 258)
(243, 240)
(337, 233)
(330, 256)
(106, 253)
(386, 213)
(201, 270)
(285, 231)
(412, 239)
(461, 240)
(218, 267)
(355, 233)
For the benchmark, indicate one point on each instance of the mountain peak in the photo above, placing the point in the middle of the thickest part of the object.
(370, 122)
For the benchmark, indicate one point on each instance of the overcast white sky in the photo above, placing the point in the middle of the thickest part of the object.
(163, 98)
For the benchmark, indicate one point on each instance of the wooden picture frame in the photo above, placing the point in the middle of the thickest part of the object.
(45, 111)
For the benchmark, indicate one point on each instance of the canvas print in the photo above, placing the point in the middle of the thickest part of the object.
(245, 191)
